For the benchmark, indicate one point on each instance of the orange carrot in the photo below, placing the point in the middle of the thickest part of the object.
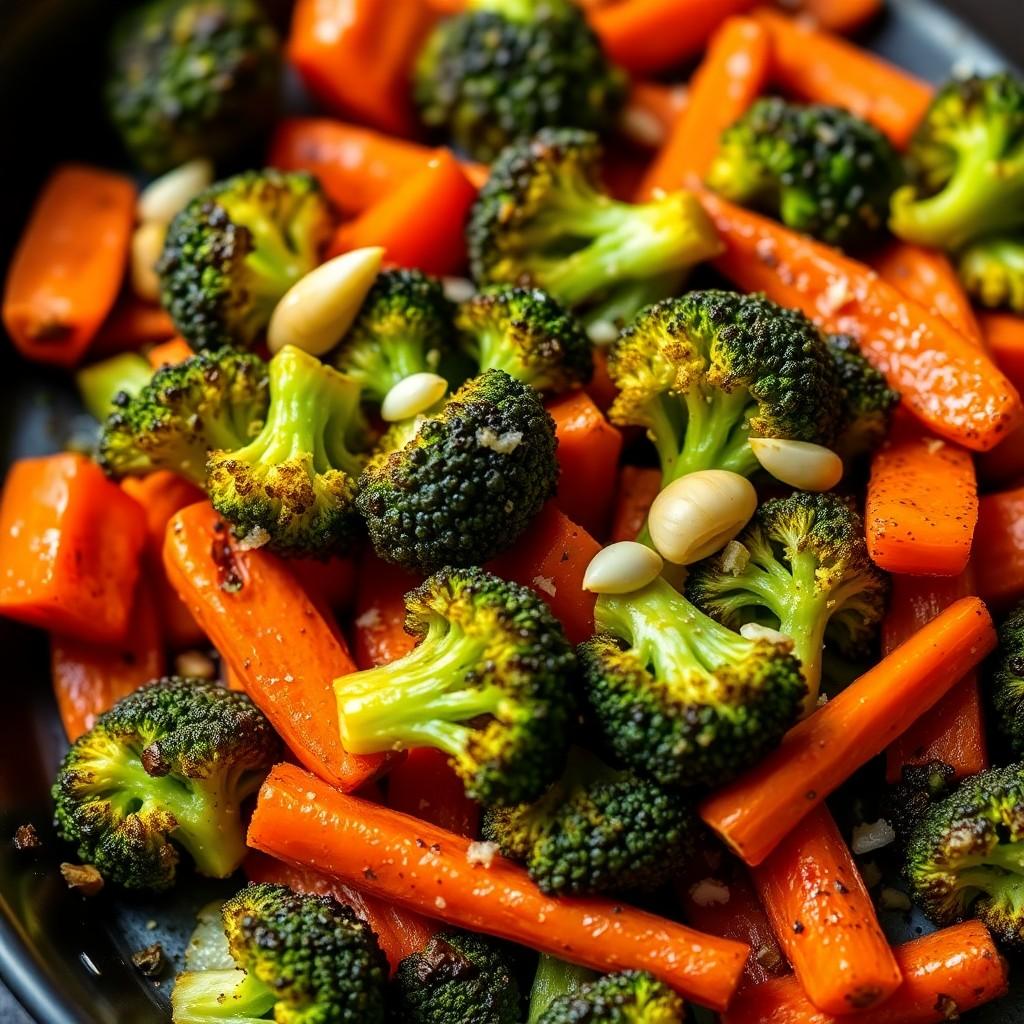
(944, 379)
(753, 813)
(824, 919)
(729, 79)
(273, 637)
(69, 263)
(999, 547)
(1004, 338)
(650, 112)
(834, 15)
(637, 489)
(171, 352)
(945, 974)
(379, 626)
(70, 549)
(425, 785)
(300, 819)
(817, 66)
(131, 325)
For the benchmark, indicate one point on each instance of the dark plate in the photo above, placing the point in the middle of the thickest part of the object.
(66, 959)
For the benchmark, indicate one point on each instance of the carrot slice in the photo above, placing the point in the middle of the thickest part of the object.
(1004, 338)
(132, 324)
(753, 813)
(302, 820)
(638, 487)
(999, 547)
(834, 15)
(169, 353)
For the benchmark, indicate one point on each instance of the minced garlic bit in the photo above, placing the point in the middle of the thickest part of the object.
(503, 444)
(734, 558)
(872, 836)
(254, 539)
(482, 853)
(709, 891)
(545, 583)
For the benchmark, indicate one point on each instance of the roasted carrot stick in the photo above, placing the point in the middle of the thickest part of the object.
(637, 488)
(753, 813)
(416, 865)
(651, 111)
(69, 263)
(729, 79)
(1004, 338)
(174, 350)
(272, 636)
(945, 974)
(945, 380)
(824, 919)
(999, 547)
(834, 15)
(132, 324)
(379, 625)
(425, 785)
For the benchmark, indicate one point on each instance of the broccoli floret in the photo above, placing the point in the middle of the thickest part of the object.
(992, 271)
(102, 384)
(868, 400)
(966, 165)
(167, 766)
(819, 169)
(212, 400)
(469, 482)
(704, 372)
(288, 957)
(192, 78)
(294, 484)
(678, 696)
(628, 997)
(597, 829)
(235, 250)
(503, 69)
(524, 332)
(908, 801)
(404, 327)
(806, 572)
(489, 683)
(457, 978)
(964, 858)
(543, 219)
(1008, 679)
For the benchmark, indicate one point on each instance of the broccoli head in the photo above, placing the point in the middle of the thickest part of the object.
(502, 69)
(678, 696)
(235, 250)
(966, 165)
(284, 956)
(543, 219)
(868, 400)
(1008, 679)
(293, 485)
(211, 400)
(908, 801)
(457, 978)
(596, 830)
(704, 372)
(167, 766)
(805, 571)
(819, 169)
(992, 271)
(468, 483)
(489, 683)
(628, 997)
(524, 332)
(192, 78)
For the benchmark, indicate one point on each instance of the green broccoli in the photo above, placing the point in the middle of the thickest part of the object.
(628, 997)
(992, 271)
(966, 165)
(553, 979)
(1008, 679)
(502, 69)
(803, 569)
(597, 829)
(489, 683)
(705, 372)
(524, 332)
(235, 250)
(678, 696)
(212, 400)
(167, 766)
(819, 169)
(282, 956)
(868, 404)
(469, 482)
(457, 978)
(294, 484)
(192, 78)
(543, 219)
(907, 801)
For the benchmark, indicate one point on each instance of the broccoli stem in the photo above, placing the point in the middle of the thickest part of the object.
(554, 978)
(715, 435)
(230, 995)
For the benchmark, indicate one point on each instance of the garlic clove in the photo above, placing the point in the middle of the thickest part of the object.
(755, 631)
(412, 395)
(164, 197)
(801, 464)
(147, 244)
(622, 568)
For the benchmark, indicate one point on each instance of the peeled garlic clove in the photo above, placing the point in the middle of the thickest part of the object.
(801, 464)
(318, 309)
(164, 197)
(147, 244)
(622, 568)
(412, 395)
(754, 631)
(699, 514)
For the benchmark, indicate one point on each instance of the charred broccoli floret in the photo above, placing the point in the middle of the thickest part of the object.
(704, 372)
(102, 384)
(628, 997)
(543, 219)
(819, 169)
(234, 251)
(908, 801)
(211, 400)
(469, 482)
(992, 271)
(167, 766)
(192, 78)
(678, 696)
(502, 69)
(597, 829)
(966, 165)
(803, 570)
(868, 400)
(293, 485)
(524, 332)
(1008, 680)
(282, 956)
(489, 683)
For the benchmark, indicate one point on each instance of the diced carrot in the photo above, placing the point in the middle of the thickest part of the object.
(999, 547)
(379, 627)
(132, 325)
(170, 353)
(638, 487)
(425, 785)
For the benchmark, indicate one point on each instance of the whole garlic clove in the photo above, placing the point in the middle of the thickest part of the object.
(164, 197)
(147, 244)
(622, 568)
(801, 464)
(412, 395)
